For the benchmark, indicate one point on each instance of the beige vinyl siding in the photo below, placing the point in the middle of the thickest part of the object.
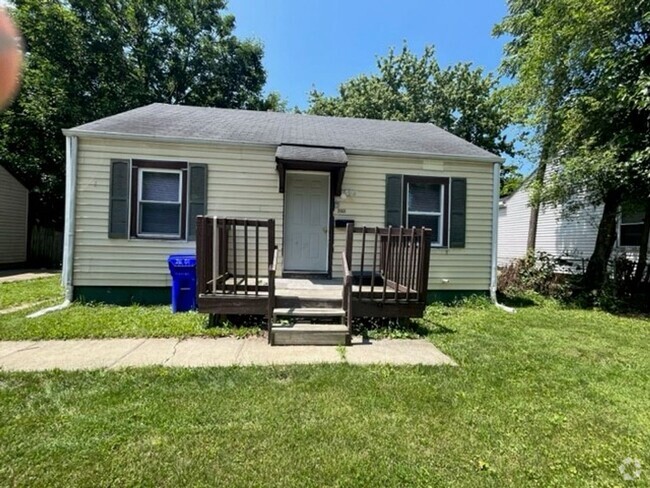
(242, 182)
(465, 268)
(14, 200)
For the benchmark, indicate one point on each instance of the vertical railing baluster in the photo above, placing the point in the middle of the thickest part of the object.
(421, 264)
(374, 265)
(404, 262)
(257, 257)
(411, 263)
(234, 255)
(215, 255)
(245, 257)
(349, 238)
(383, 295)
(398, 263)
(363, 255)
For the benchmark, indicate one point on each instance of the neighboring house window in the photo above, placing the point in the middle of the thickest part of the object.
(159, 203)
(425, 206)
(631, 227)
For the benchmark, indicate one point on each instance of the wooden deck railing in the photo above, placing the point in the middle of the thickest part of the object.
(393, 263)
(230, 255)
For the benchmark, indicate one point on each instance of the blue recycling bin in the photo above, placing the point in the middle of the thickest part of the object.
(183, 270)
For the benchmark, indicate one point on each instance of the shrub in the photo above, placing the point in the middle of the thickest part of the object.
(536, 272)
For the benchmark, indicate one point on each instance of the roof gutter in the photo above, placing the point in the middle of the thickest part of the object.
(198, 140)
(68, 233)
(496, 186)
(156, 138)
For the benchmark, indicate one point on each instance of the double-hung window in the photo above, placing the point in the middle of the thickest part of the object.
(631, 227)
(160, 205)
(425, 206)
(156, 199)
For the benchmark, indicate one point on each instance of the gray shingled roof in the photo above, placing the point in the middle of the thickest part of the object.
(288, 152)
(273, 128)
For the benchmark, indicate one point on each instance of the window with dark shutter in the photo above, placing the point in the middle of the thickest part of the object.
(432, 202)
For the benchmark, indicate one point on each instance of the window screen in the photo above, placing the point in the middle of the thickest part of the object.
(631, 227)
(424, 205)
(160, 203)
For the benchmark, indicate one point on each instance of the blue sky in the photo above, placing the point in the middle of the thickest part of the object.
(323, 43)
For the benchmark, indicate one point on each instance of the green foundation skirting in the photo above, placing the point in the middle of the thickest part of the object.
(123, 295)
(127, 295)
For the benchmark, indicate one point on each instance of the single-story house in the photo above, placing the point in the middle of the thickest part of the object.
(137, 181)
(570, 237)
(14, 204)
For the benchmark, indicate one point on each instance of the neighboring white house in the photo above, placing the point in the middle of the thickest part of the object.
(572, 237)
(14, 200)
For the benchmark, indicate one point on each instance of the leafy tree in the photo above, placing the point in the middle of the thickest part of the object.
(582, 70)
(406, 87)
(87, 59)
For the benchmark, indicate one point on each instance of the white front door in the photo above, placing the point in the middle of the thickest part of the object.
(306, 227)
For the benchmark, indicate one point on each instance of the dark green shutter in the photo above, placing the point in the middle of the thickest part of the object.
(393, 200)
(118, 207)
(197, 197)
(457, 211)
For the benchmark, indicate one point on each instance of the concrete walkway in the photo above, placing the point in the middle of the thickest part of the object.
(9, 275)
(198, 352)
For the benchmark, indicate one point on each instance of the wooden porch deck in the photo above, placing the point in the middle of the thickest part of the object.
(389, 279)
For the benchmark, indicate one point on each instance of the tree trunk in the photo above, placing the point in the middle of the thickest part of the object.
(643, 249)
(597, 267)
(534, 210)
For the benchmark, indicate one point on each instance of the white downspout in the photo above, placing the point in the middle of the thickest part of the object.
(69, 225)
(496, 185)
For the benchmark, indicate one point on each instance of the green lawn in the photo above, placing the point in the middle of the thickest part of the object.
(546, 397)
(31, 291)
(96, 320)
(104, 321)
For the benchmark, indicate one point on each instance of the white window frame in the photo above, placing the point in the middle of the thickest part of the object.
(178, 172)
(440, 215)
(621, 224)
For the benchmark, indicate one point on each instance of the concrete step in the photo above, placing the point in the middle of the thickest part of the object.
(308, 312)
(303, 334)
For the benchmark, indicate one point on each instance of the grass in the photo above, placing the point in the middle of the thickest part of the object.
(85, 321)
(549, 396)
(31, 291)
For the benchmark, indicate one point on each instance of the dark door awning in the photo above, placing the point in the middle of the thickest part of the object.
(312, 158)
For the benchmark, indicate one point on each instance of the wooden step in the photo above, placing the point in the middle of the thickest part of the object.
(309, 335)
(308, 302)
(308, 312)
